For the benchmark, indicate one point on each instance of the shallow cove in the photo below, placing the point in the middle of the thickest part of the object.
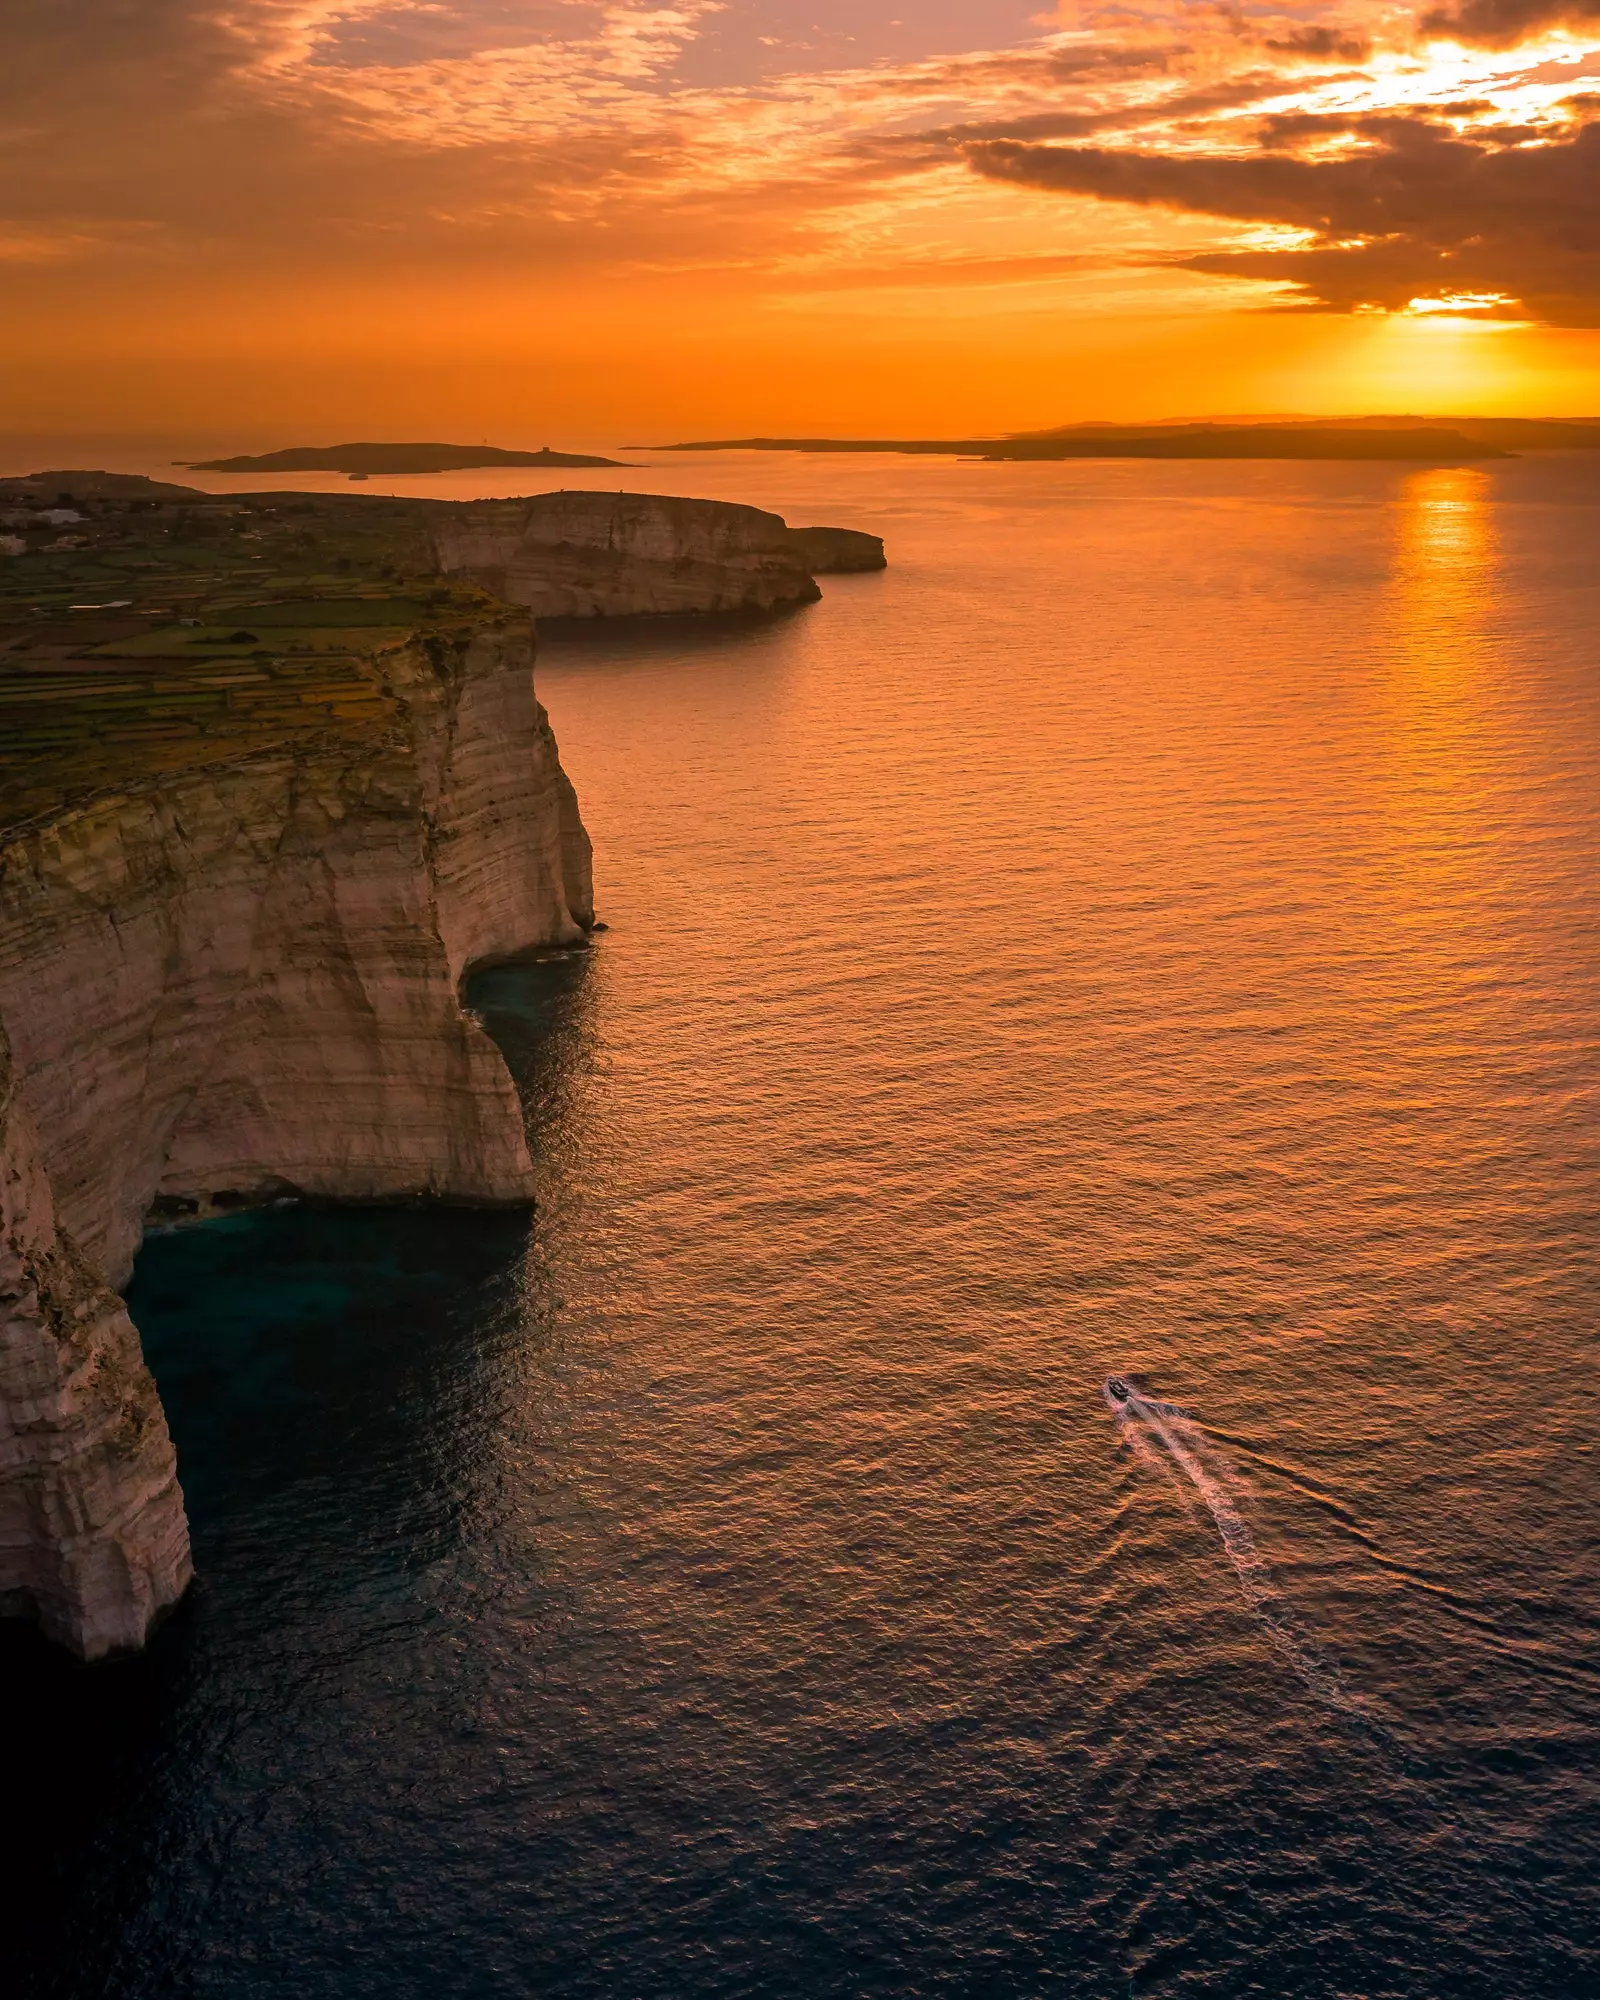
(1151, 928)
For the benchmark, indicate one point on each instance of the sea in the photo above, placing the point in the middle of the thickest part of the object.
(1151, 931)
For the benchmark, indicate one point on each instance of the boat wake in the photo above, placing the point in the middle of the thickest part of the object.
(1165, 1434)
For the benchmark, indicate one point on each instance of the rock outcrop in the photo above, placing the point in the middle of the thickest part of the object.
(838, 551)
(232, 981)
(607, 555)
(93, 1540)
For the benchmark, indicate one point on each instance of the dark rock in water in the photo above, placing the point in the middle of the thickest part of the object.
(838, 551)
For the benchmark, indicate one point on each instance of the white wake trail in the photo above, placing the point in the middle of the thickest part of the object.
(1187, 1447)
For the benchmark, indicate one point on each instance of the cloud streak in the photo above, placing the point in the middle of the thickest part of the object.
(545, 137)
(1416, 210)
(1504, 24)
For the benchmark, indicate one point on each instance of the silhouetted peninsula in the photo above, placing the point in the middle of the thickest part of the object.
(361, 460)
(1435, 445)
(40, 487)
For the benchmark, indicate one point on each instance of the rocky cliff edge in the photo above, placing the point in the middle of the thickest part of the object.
(268, 790)
(607, 555)
(234, 977)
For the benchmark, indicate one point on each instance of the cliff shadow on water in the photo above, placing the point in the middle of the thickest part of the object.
(337, 1383)
(539, 1010)
(650, 632)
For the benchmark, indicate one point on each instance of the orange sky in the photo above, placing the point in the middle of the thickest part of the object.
(570, 220)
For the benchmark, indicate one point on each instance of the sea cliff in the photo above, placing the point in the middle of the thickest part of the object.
(94, 1545)
(235, 981)
(269, 789)
(608, 555)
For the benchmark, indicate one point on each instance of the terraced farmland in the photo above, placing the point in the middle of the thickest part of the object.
(166, 636)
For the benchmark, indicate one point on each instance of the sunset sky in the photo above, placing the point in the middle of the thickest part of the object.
(566, 220)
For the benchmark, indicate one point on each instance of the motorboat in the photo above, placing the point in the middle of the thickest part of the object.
(1117, 1389)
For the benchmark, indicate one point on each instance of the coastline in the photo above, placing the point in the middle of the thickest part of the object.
(263, 816)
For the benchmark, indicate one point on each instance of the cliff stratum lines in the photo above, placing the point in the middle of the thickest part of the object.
(269, 788)
(587, 555)
(252, 857)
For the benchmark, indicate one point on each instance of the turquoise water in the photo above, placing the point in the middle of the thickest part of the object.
(1150, 930)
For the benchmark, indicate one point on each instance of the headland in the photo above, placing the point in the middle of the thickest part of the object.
(274, 779)
(361, 461)
(1416, 443)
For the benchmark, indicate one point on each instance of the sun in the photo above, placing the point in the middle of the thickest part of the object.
(1472, 306)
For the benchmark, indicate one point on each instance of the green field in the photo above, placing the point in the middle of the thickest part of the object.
(328, 612)
(183, 642)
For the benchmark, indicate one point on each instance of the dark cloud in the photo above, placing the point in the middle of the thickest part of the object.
(196, 136)
(1106, 62)
(213, 143)
(1285, 130)
(450, 29)
(1102, 64)
(1232, 95)
(1418, 211)
(1324, 44)
(1032, 125)
(1501, 24)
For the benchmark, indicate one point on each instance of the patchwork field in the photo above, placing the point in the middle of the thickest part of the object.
(147, 636)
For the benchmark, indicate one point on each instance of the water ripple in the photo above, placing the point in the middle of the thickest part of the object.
(1152, 928)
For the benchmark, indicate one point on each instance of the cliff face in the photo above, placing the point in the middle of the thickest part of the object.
(93, 1541)
(838, 551)
(258, 819)
(589, 555)
(241, 980)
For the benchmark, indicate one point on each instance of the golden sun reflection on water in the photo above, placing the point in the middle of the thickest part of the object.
(1442, 597)
(1439, 777)
(1445, 562)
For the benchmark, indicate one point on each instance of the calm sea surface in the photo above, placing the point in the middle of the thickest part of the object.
(1153, 928)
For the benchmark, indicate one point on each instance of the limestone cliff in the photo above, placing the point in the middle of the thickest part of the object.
(241, 977)
(261, 810)
(93, 1540)
(838, 551)
(589, 555)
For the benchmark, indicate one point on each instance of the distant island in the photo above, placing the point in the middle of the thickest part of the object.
(1433, 444)
(360, 461)
(64, 487)
(1507, 433)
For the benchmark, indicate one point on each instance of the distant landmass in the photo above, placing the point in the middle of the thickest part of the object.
(1434, 444)
(360, 461)
(1507, 433)
(79, 485)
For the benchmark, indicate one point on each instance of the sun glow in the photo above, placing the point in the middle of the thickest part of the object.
(1460, 305)
(444, 216)
(1442, 361)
